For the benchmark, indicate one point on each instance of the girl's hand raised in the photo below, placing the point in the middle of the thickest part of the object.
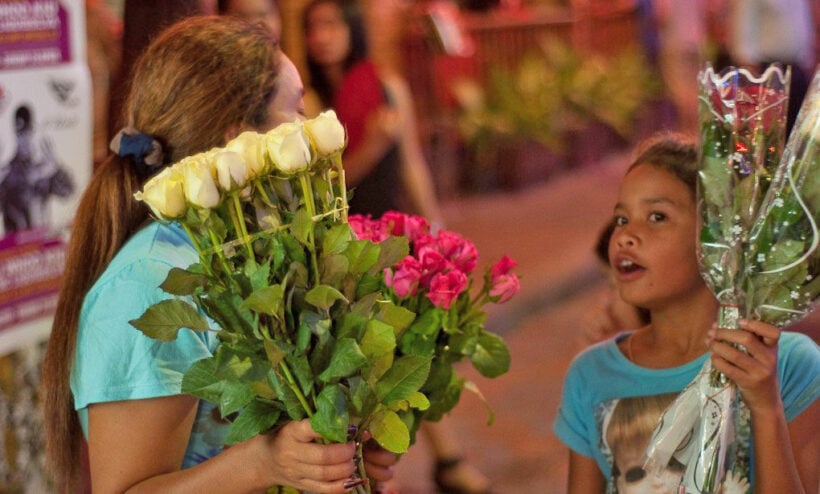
(754, 371)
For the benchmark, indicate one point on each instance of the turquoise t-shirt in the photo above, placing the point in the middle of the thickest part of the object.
(602, 387)
(115, 361)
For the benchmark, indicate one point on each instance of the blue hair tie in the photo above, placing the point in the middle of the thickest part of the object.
(145, 151)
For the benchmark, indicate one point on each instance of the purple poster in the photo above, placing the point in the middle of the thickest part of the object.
(33, 33)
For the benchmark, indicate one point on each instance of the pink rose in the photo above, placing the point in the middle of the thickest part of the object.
(504, 284)
(404, 277)
(432, 263)
(502, 267)
(504, 287)
(416, 227)
(393, 222)
(405, 225)
(446, 287)
(458, 250)
(366, 229)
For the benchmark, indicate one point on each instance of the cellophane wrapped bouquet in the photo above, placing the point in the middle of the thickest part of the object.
(759, 205)
(306, 324)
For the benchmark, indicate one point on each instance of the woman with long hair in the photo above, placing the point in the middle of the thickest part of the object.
(199, 84)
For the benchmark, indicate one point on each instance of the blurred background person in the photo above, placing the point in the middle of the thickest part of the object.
(264, 11)
(384, 162)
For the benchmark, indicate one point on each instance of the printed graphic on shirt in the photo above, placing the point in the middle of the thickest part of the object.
(627, 425)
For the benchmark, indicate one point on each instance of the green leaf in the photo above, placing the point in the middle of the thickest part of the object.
(406, 376)
(362, 255)
(266, 300)
(331, 419)
(396, 316)
(224, 308)
(300, 368)
(163, 320)
(182, 282)
(470, 386)
(219, 379)
(347, 358)
(362, 397)
(491, 357)
(201, 380)
(323, 296)
(336, 239)
(428, 322)
(254, 419)
(378, 345)
(391, 250)
(378, 339)
(235, 395)
(258, 274)
(292, 404)
(333, 268)
(389, 431)
(302, 226)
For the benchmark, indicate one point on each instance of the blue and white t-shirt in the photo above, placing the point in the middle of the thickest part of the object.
(610, 406)
(114, 361)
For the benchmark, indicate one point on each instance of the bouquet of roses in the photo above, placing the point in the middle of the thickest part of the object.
(758, 248)
(298, 302)
(434, 281)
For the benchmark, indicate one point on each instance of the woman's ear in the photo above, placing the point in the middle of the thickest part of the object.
(234, 130)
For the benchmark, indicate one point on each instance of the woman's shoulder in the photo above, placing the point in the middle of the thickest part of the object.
(156, 247)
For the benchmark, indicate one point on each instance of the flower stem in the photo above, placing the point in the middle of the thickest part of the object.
(295, 388)
(310, 205)
(202, 260)
(240, 226)
(217, 246)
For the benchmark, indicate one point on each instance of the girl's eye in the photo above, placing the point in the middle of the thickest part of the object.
(656, 217)
(619, 221)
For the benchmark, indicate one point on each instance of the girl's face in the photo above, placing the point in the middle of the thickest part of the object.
(287, 104)
(327, 35)
(653, 247)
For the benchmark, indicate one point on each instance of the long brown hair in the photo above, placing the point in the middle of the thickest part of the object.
(195, 82)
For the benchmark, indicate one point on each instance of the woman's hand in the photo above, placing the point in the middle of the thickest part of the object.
(292, 457)
(754, 371)
(378, 462)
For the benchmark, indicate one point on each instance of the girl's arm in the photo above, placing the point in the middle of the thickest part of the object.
(138, 446)
(584, 475)
(785, 458)
(415, 174)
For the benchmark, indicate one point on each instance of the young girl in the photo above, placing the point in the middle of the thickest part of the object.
(198, 84)
(653, 250)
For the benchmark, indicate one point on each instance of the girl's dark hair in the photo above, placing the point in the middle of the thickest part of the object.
(676, 153)
(352, 16)
(194, 83)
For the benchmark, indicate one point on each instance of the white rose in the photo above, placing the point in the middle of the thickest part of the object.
(231, 170)
(288, 147)
(250, 147)
(198, 180)
(327, 132)
(164, 194)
